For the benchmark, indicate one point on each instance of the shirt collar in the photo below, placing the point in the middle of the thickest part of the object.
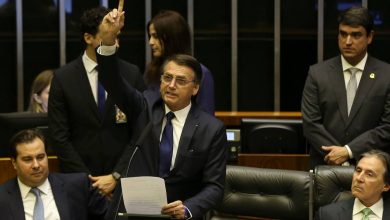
(377, 208)
(359, 66)
(181, 114)
(24, 189)
(89, 64)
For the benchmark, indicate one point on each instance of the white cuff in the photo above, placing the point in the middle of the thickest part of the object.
(350, 154)
(106, 50)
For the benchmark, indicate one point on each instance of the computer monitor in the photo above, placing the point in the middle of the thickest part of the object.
(11, 123)
(282, 136)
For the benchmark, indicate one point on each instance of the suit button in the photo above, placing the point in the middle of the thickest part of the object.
(347, 134)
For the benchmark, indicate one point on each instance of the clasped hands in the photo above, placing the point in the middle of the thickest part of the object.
(336, 154)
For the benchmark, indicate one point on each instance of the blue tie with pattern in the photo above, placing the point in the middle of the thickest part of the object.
(166, 146)
(38, 207)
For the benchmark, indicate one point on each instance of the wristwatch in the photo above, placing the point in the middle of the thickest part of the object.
(116, 175)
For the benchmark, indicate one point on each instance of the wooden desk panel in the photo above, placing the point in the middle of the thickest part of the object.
(275, 161)
(233, 119)
(8, 171)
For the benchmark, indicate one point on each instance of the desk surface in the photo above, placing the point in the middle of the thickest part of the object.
(231, 119)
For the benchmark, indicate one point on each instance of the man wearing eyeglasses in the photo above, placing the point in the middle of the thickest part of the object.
(194, 164)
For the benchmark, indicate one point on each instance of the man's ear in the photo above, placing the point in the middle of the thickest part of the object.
(13, 163)
(386, 187)
(88, 38)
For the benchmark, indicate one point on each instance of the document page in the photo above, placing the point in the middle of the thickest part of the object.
(144, 195)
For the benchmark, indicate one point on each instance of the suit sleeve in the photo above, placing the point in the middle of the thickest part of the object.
(313, 128)
(124, 95)
(213, 177)
(377, 137)
(60, 130)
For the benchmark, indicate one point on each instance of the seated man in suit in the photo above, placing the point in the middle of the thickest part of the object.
(180, 142)
(36, 194)
(370, 182)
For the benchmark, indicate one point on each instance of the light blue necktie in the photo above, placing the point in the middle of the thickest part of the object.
(38, 207)
(166, 146)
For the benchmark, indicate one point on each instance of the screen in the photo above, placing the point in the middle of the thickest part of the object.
(272, 136)
(230, 135)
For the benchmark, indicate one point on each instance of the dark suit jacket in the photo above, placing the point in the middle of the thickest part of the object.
(324, 109)
(343, 210)
(82, 139)
(198, 175)
(73, 195)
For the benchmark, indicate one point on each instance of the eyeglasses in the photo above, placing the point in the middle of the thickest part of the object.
(180, 81)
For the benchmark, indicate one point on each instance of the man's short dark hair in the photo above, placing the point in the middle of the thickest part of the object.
(91, 19)
(22, 137)
(357, 16)
(188, 61)
(384, 158)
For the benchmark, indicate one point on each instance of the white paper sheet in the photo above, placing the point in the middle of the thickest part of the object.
(144, 195)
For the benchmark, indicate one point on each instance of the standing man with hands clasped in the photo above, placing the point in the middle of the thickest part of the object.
(346, 99)
(183, 144)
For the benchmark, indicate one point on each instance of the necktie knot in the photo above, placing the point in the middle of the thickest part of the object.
(366, 212)
(353, 71)
(170, 116)
(36, 191)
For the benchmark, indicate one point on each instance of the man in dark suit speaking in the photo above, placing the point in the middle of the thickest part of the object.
(36, 194)
(370, 184)
(346, 99)
(181, 143)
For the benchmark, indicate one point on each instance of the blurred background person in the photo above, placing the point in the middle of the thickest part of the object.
(169, 34)
(39, 95)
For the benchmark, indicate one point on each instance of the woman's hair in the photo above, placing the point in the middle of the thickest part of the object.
(174, 35)
(40, 83)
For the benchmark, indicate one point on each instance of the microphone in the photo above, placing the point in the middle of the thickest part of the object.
(137, 145)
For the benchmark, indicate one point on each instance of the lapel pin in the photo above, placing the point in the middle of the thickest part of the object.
(372, 75)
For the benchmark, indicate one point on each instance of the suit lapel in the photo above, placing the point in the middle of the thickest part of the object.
(346, 210)
(190, 126)
(60, 197)
(364, 88)
(158, 115)
(336, 78)
(15, 200)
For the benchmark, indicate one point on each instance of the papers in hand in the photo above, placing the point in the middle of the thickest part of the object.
(144, 195)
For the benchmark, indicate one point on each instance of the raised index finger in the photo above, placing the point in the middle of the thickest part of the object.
(120, 5)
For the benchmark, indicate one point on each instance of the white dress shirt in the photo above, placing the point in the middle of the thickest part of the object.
(49, 204)
(377, 210)
(92, 74)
